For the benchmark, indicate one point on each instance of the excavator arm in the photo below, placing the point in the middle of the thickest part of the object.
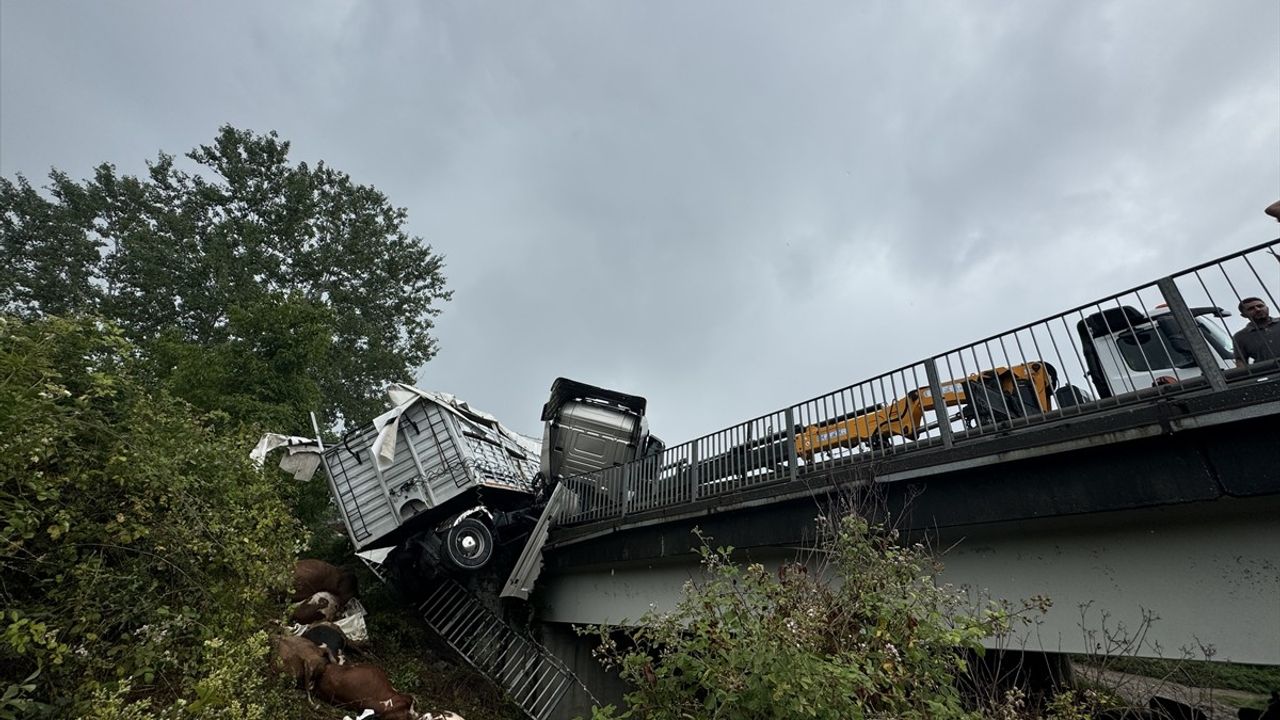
(988, 396)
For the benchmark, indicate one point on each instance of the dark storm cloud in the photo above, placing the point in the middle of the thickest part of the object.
(726, 207)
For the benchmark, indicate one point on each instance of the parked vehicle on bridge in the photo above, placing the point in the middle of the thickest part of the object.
(1123, 348)
(988, 396)
(1126, 349)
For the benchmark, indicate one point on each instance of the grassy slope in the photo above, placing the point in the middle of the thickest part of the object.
(1197, 673)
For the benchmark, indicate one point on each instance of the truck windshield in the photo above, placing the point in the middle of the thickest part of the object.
(1218, 339)
(1161, 346)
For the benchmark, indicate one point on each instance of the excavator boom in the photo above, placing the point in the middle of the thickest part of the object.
(986, 397)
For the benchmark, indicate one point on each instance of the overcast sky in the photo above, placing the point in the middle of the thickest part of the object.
(726, 207)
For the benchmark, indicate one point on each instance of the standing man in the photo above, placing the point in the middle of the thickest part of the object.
(1260, 339)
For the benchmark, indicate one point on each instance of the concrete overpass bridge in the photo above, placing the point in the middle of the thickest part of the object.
(1169, 509)
(1144, 499)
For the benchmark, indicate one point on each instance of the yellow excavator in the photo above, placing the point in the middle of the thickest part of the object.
(990, 396)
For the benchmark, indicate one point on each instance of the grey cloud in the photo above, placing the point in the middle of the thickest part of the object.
(726, 207)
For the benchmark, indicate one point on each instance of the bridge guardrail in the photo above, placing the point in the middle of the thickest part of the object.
(1157, 339)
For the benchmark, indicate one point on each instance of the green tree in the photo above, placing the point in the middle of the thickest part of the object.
(243, 242)
(48, 248)
(264, 369)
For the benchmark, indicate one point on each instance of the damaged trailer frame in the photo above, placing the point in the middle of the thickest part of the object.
(434, 482)
(438, 472)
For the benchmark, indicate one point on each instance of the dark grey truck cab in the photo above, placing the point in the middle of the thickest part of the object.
(589, 428)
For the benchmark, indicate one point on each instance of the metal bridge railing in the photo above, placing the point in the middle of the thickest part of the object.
(1169, 336)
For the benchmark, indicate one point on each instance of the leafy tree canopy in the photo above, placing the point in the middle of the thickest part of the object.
(256, 286)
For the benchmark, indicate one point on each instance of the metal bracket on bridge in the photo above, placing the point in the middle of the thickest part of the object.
(1200, 349)
(935, 389)
(792, 461)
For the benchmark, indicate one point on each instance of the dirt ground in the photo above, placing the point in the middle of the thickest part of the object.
(1137, 689)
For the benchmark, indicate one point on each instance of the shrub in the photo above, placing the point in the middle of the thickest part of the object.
(879, 639)
(135, 531)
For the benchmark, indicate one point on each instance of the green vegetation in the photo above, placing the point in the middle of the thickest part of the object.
(883, 642)
(139, 542)
(150, 329)
(1260, 679)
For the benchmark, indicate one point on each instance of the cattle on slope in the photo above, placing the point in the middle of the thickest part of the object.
(312, 576)
(300, 658)
(329, 638)
(356, 687)
(321, 607)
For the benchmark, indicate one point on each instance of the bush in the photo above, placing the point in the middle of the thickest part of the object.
(136, 534)
(882, 641)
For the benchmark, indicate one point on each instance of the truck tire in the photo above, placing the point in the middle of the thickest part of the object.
(411, 566)
(467, 545)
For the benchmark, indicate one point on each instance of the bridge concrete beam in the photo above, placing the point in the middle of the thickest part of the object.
(1181, 577)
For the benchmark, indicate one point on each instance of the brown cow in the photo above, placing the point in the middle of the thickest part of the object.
(321, 607)
(299, 657)
(313, 576)
(364, 686)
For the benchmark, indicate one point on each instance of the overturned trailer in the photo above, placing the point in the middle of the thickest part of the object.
(435, 483)
(433, 466)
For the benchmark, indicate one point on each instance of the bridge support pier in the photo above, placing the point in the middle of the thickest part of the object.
(576, 652)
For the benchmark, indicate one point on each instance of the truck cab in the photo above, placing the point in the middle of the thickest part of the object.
(587, 429)
(1126, 349)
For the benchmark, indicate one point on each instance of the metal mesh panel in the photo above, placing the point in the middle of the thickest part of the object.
(533, 678)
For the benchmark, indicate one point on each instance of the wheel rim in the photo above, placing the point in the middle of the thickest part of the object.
(469, 545)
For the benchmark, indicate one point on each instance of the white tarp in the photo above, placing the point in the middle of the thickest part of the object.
(301, 459)
(303, 456)
(351, 621)
(403, 396)
(377, 556)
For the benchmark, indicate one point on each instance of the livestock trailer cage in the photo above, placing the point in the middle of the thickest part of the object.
(432, 462)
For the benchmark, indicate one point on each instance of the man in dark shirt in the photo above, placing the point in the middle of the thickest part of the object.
(1260, 339)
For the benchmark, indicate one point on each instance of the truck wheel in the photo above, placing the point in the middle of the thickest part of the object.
(468, 545)
(411, 566)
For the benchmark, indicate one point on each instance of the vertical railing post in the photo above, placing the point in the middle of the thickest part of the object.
(625, 482)
(1200, 349)
(693, 471)
(939, 402)
(792, 461)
